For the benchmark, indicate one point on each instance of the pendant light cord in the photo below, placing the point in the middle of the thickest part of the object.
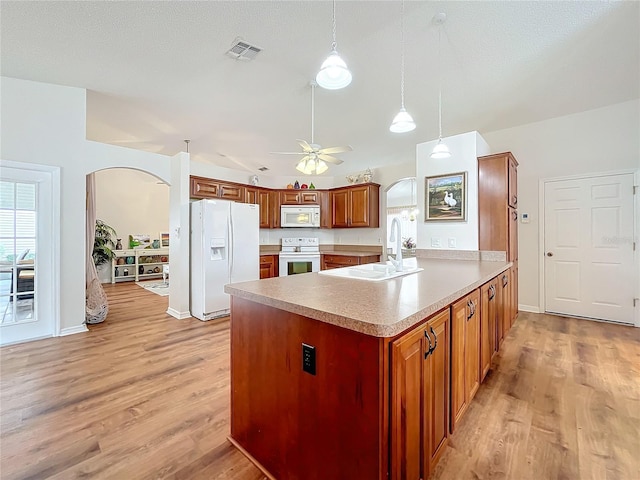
(439, 84)
(334, 44)
(313, 114)
(402, 56)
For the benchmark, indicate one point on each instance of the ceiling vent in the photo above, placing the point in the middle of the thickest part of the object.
(243, 51)
(263, 169)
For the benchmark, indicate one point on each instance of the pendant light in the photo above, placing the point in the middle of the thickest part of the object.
(402, 122)
(334, 74)
(440, 150)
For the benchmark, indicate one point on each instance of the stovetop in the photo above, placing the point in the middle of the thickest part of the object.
(304, 245)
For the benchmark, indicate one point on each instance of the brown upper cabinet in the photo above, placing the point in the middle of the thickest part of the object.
(299, 197)
(209, 188)
(264, 198)
(356, 206)
(344, 207)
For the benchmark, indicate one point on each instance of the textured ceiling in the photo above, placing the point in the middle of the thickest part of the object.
(157, 74)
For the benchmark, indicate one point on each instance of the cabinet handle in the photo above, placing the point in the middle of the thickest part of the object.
(505, 281)
(492, 292)
(470, 305)
(435, 338)
(428, 352)
(515, 215)
(515, 199)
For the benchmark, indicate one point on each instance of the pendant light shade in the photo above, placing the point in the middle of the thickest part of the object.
(402, 122)
(440, 150)
(333, 74)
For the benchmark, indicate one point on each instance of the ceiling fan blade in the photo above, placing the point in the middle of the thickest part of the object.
(330, 159)
(346, 148)
(305, 146)
(288, 153)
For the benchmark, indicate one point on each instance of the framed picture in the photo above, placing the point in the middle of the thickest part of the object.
(164, 239)
(446, 197)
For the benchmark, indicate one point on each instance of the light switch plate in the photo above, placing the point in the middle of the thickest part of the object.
(435, 242)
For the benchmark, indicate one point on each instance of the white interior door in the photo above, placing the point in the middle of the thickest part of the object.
(27, 277)
(590, 269)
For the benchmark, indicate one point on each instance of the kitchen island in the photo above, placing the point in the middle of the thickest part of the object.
(323, 379)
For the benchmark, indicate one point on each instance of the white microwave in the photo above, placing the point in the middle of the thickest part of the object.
(300, 216)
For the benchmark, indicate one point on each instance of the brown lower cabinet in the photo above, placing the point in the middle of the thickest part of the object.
(420, 398)
(268, 266)
(489, 314)
(338, 261)
(465, 354)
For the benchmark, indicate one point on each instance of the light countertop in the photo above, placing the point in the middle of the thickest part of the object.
(381, 309)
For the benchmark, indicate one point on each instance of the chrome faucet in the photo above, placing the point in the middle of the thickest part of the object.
(398, 260)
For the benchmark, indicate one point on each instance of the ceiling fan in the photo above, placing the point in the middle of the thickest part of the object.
(315, 157)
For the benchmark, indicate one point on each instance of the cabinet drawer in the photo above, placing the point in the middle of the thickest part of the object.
(343, 260)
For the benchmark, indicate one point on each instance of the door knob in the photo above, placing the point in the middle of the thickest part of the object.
(549, 254)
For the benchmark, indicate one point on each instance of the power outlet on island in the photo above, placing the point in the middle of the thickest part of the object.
(309, 359)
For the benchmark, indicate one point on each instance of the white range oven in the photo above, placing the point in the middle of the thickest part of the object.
(299, 255)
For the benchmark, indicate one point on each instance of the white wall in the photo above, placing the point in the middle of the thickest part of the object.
(601, 140)
(132, 202)
(465, 148)
(45, 124)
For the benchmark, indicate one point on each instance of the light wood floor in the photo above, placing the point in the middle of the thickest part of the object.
(146, 396)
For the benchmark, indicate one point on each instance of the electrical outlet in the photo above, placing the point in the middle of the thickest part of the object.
(452, 242)
(435, 242)
(379, 240)
(309, 359)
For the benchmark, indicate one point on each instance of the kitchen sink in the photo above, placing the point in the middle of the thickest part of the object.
(373, 272)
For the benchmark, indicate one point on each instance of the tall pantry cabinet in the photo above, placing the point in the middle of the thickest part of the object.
(498, 218)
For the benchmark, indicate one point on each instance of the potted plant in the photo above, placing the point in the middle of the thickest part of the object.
(103, 244)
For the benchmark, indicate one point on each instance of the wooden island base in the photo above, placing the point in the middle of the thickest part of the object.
(293, 424)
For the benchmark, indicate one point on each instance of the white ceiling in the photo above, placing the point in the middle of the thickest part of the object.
(157, 74)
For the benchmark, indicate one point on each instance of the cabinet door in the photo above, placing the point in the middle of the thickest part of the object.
(513, 182)
(505, 324)
(407, 439)
(436, 385)
(472, 347)
(512, 251)
(459, 313)
(274, 199)
(488, 302)
(203, 188)
(264, 200)
(289, 197)
(229, 191)
(251, 195)
(325, 209)
(340, 208)
(309, 197)
(267, 266)
(359, 207)
(513, 312)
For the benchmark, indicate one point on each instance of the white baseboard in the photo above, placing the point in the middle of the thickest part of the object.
(72, 330)
(179, 315)
(529, 308)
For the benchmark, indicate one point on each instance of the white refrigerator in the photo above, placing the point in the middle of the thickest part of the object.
(225, 248)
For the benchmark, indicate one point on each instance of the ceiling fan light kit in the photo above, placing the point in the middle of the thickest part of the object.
(334, 74)
(440, 150)
(402, 122)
